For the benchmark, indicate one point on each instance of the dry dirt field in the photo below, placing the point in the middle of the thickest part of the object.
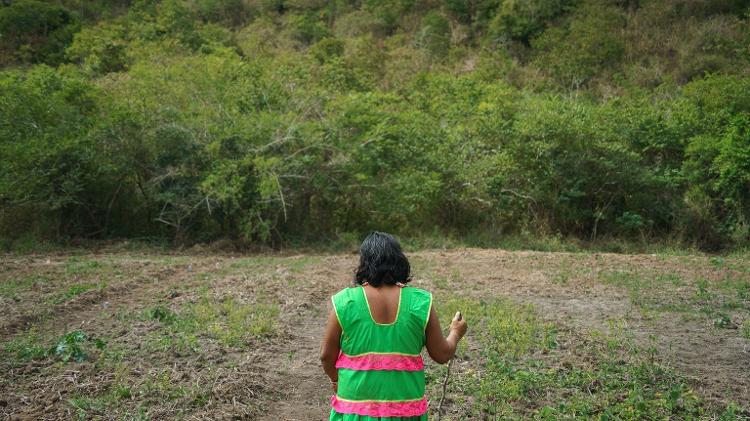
(132, 335)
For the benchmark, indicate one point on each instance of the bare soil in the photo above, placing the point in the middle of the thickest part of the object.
(277, 377)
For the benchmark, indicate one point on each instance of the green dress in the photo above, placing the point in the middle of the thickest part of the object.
(381, 371)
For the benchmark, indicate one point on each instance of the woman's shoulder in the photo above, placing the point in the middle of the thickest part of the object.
(345, 293)
(419, 292)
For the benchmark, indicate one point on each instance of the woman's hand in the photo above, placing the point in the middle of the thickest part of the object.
(442, 349)
(458, 325)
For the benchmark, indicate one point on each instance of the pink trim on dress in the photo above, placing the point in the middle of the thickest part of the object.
(381, 362)
(380, 409)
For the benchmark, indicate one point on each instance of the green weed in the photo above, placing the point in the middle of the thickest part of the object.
(160, 385)
(717, 261)
(72, 346)
(723, 321)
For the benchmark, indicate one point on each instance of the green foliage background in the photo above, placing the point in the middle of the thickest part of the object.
(297, 121)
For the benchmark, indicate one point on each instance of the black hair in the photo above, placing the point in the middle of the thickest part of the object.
(381, 261)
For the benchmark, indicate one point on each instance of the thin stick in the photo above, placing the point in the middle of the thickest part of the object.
(445, 380)
(445, 386)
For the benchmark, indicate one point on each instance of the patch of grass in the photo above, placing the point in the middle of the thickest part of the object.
(87, 406)
(440, 282)
(422, 266)
(73, 291)
(737, 285)
(561, 278)
(232, 323)
(516, 368)
(633, 282)
(723, 321)
(140, 414)
(745, 329)
(81, 266)
(669, 278)
(654, 294)
(161, 314)
(161, 386)
(703, 292)
(73, 346)
(11, 288)
(26, 347)
(295, 264)
(717, 261)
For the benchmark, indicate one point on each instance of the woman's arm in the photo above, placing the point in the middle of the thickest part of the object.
(329, 349)
(442, 349)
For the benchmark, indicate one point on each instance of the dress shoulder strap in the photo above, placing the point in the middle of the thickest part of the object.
(420, 305)
(347, 305)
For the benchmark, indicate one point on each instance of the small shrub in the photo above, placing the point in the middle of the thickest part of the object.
(70, 347)
(161, 314)
(723, 321)
(307, 28)
(521, 20)
(434, 34)
(327, 49)
(36, 31)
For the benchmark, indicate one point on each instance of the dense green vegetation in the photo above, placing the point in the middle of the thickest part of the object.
(277, 121)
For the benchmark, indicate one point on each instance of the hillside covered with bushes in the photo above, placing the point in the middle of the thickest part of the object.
(282, 121)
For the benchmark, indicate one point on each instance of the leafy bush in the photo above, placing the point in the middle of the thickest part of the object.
(435, 34)
(327, 49)
(591, 42)
(521, 20)
(35, 31)
(307, 28)
(100, 49)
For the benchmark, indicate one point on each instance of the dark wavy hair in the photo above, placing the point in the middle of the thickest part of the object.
(381, 261)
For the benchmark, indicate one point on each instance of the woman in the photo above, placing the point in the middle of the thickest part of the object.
(375, 334)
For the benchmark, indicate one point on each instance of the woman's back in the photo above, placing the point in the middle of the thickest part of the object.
(380, 366)
(374, 336)
(383, 303)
